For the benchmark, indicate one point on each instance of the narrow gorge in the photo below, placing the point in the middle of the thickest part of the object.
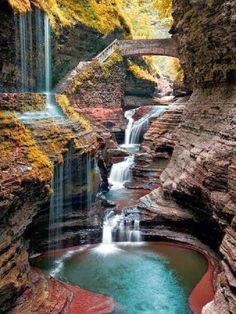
(118, 157)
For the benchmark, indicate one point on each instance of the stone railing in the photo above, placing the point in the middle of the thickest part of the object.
(107, 52)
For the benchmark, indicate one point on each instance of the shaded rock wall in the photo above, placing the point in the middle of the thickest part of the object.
(205, 33)
(8, 69)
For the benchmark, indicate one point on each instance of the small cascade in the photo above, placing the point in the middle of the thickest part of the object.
(120, 228)
(129, 116)
(135, 129)
(121, 172)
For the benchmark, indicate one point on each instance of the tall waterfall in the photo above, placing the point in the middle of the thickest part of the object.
(40, 51)
(73, 190)
(36, 63)
(26, 52)
(47, 47)
(56, 207)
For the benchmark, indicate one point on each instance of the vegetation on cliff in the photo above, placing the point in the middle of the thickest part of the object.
(104, 15)
(18, 147)
(87, 75)
(140, 72)
(69, 111)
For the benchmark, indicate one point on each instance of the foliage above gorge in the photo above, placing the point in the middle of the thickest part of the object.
(149, 18)
(103, 15)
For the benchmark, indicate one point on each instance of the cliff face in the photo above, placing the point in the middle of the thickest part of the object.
(205, 32)
(201, 174)
(25, 188)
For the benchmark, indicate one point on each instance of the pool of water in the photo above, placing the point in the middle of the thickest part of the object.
(145, 278)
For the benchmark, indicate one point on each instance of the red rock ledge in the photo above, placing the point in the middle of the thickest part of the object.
(49, 295)
(203, 292)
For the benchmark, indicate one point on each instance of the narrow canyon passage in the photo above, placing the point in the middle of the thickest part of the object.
(118, 169)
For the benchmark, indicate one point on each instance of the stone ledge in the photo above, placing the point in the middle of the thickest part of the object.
(22, 101)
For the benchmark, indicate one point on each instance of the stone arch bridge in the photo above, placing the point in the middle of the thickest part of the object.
(141, 47)
(127, 48)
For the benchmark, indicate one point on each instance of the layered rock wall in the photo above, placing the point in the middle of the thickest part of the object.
(201, 173)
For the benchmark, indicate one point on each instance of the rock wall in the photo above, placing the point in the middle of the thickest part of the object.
(201, 173)
(8, 69)
(205, 33)
(97, 91)
(201, 176)
(25, 188)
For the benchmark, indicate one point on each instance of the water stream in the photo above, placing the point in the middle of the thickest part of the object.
(135, 129)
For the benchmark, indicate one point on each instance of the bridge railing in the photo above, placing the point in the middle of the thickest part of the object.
(103, 55)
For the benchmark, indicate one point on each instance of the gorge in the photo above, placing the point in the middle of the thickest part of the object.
(118, 160)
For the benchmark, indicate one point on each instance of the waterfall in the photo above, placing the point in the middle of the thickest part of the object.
(135, 129)
(26, 52)
(36, 63)
(47, 47)
(121, 228)
(56, 207)
(121, 172)
(40, 51)
(129, 116)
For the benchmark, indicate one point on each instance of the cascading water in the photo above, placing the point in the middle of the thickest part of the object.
(56, 207)
(129, 116)
(121, 172)
(135, 129)
(120, 228)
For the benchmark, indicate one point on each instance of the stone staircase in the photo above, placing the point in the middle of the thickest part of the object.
(127, 48)
(83, 65)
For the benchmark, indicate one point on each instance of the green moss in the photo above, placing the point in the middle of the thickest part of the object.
(18, 143)
(108, 66)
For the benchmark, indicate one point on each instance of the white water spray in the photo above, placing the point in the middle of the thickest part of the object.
(129, 116)
(121, 173)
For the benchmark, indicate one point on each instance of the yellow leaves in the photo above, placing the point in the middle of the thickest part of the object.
(103, 15)
(168, 67)
(139, 72)
(164, 7)
(149, 18)
(20, 6)
(69, 111)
